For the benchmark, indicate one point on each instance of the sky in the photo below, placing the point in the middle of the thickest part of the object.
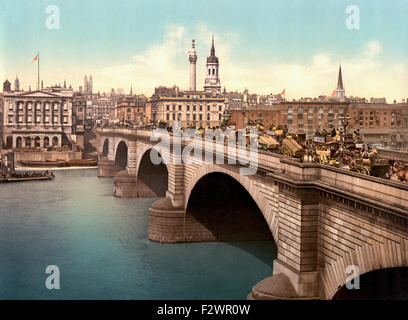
(263, 45)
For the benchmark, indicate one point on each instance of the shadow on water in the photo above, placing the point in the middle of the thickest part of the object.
(228, 212)
(265, 251)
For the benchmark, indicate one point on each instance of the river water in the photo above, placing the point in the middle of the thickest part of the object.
(100, 246)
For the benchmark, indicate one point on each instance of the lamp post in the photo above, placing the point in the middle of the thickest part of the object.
(345, 121)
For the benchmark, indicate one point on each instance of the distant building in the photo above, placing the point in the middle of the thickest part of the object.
(6, 86)
(38, 119)
(88, 85)
(16, 84)
(79, 109)
(192, 108)
(132, 108)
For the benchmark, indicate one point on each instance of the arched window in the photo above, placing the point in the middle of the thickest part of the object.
(19, 142)
(37, 142)
(208, 117)
(46, 142)
(28, 142)
(55, 141)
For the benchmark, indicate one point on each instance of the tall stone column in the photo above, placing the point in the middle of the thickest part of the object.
(193, 61)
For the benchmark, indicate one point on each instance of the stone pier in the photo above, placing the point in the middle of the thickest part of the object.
(171, 224)
(107, 168)
(128, 186)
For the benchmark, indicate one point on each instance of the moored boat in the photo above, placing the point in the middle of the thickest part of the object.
(82, 162)
(27, 176)
(47, 163)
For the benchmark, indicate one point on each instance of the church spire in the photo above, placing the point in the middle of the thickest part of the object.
(212, 47)
(340, 92)
(340, 81)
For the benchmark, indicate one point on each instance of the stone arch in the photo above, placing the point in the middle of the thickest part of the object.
(46, 142)
(121, 155)
(156, 177)
(27, 141)
(37, 142)
(105, 148)
(369, 257)
(265, 202)
(19, 142)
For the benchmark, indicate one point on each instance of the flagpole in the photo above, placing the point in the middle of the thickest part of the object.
(38, 70)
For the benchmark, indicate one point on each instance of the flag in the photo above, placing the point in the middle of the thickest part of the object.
(283, 92)
(334, 91)
(35, 58)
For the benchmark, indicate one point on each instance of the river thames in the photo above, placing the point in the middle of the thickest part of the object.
(100, 245)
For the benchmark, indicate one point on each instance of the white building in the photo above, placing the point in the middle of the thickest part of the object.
(38, 118)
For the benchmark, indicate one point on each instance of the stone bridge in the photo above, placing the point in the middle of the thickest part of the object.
(322, 219)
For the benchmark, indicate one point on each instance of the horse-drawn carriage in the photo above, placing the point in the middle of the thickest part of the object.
(371, 166)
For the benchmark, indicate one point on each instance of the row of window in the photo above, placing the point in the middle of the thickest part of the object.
(311, 110)
(38, 119)
(38, 106)
(194, 108)
(200, 117)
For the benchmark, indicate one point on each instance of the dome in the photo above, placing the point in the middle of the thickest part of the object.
(212, 59)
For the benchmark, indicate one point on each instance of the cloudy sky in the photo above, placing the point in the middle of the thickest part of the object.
(265, 46)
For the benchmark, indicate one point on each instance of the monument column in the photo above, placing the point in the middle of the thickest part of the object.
(193, 61)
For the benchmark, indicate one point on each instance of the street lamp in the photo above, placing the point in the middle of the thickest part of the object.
(345, 121)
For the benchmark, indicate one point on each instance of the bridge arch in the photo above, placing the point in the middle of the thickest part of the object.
(155, 176)
(105, 148)
(380, 284)
(121, 155)
(256, 189)
(368, 258)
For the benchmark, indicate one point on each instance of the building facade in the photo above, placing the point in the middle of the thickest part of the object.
(193, 109)
(381, 123)
(132, 109)
(38, 119)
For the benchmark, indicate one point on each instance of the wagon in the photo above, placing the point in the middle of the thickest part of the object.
(376, 168)
(267, 142)
(291, 148)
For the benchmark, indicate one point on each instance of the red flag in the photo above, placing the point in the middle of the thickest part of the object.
(334, 91)
(35, 58)
(283, 92)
